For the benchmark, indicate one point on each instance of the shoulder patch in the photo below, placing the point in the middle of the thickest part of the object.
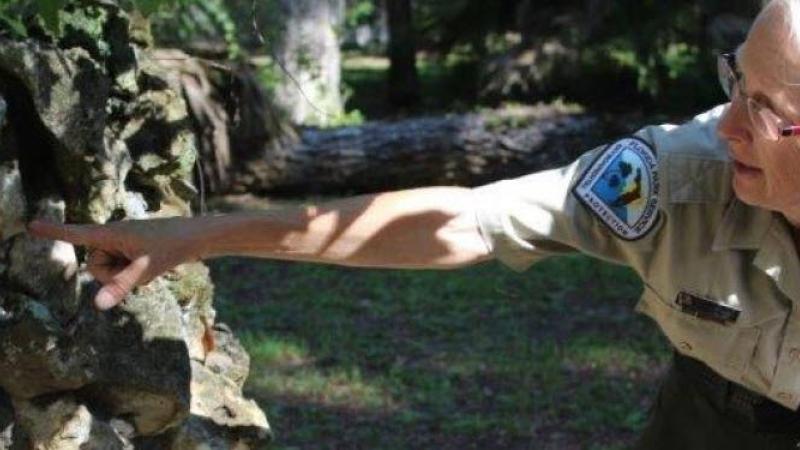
(621, 188)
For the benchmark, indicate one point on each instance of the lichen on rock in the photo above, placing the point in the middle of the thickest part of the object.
(12, 200)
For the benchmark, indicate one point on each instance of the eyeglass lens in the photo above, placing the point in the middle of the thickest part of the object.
(762, 118)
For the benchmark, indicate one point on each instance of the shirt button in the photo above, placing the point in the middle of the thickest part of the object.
(795, 354)
(685, 346)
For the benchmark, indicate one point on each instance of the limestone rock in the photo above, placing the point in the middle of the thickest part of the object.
(228, 358)
(143, 359)
(134, 360)
(12, 199)
(33, 359)
(65, 424)
(46, 269)
(191, 286)
(221, 419)
(220, 400)
(11, 437)
(88, 134)
(72, 108)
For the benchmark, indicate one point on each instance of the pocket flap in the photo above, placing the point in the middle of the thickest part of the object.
(725, 347)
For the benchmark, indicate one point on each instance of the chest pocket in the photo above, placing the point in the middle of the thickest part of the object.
(727, 347)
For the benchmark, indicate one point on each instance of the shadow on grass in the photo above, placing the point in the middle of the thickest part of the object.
(477, 358)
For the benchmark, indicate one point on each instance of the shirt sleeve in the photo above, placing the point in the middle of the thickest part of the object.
(529, 218)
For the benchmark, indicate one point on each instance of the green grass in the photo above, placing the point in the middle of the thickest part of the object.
(554, 358)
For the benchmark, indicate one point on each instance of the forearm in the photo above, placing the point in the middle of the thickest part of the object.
(419, 228)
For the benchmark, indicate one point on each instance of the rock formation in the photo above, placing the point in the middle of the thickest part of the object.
(90, 131)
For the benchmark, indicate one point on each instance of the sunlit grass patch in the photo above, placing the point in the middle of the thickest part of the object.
(273, 352)
(341, 389)
(614, 357)
(285, 369)
(355, 61)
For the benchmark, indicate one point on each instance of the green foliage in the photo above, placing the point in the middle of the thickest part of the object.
(12, 13)
(652, 54)
(360, 12)
(665, 50)
(448, 85)
(85, 27)
(197, 20)
(17, 17)
(270, 76)
(48, 10)
(10, 22)
(148, 7)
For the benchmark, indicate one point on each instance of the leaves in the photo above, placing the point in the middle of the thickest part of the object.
(14, 25)
(49, 10)
(148, 7)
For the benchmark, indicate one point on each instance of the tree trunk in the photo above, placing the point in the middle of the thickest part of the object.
(462, 150)
(307, 60)
(92, 134)
(403, 80)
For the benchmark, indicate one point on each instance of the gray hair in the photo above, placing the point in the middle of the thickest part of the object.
(791, 20)
(791, 16)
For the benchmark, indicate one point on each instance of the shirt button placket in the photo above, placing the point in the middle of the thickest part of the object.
(786, 384)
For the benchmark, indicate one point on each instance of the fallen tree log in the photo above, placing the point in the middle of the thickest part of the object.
(245, 145)
(454, 150)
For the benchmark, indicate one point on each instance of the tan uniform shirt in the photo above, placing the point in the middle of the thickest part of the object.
(720, 277)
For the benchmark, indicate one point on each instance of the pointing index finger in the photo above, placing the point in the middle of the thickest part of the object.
(75, 234)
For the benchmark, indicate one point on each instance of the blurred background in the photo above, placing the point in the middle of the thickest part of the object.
(374, 59)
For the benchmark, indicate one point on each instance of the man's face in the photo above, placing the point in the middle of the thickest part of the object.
(766, 172)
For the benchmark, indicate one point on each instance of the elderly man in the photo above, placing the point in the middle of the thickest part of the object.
(708, 214)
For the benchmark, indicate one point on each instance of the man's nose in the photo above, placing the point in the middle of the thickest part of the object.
(735, 125)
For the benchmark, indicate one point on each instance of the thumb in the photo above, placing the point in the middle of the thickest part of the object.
(113, 292)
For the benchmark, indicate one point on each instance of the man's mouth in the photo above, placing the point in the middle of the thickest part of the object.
(745, 169)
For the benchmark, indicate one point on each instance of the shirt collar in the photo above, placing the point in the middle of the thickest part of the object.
(743, 227)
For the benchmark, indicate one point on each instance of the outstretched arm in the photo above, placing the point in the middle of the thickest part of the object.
(419, 228)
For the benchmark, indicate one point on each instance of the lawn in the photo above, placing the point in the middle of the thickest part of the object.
(479, 358)
(483, 357)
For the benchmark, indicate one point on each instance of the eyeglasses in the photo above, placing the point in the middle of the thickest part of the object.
(769, 124)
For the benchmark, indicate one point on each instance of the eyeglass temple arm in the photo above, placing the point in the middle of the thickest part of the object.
(793, 130)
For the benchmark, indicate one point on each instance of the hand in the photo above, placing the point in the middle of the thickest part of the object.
(123, 255)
